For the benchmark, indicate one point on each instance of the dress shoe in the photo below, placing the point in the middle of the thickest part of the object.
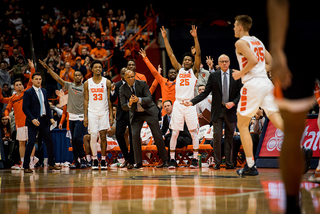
(54, 167)
(130, 166)
(28, 170)
(164, 164)
(124, 164)
(138, 166)
(216, 167)
(229, 166)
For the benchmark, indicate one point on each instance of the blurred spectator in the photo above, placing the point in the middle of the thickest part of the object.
(131, 48)
(64, 37)
(4, 74)
(5, 57)
(150, 15)
(52, 54)
(17, 21)
(19, 70)
(66, 55)
(13, 60)
(90, 19)
(83, 44)
(15, 43)
(51, 84)
(51, 39)
(79, 66)
(67, 73)
(107, 40)
(99, 53)
(46, 27)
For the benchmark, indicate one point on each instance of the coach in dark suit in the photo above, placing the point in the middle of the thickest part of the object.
(37, 110)
(135, 97)
(122, 122)
(225, 97)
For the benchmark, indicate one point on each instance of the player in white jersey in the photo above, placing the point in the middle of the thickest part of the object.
(185, 85)
(254, 62)
(97, 111)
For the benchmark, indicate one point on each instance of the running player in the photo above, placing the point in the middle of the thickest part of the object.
(294, 27)
(97, 111)
(257, 91)
(186, 81)
(15, 102)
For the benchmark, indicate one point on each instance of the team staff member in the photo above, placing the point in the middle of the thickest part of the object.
(135, 97)
(37, 110)
(75, 110)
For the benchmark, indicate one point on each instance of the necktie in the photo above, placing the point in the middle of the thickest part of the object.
(225, 97)
(169, 118)
(133, 91)
(40, 99)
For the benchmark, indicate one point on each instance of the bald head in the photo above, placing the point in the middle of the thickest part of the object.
(129, 77)
(224, 62)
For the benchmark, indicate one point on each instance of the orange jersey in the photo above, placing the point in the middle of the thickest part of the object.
(168, 88)
(15, 102)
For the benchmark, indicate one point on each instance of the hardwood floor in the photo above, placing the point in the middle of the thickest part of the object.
(148, 190)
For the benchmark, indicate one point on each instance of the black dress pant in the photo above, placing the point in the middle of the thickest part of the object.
(44, 130)
(217, 137)
(136, 125)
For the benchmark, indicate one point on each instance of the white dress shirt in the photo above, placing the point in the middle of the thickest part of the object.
(43, 106)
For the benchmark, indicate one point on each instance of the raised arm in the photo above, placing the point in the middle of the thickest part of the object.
(153, 70)
(172, 57)
(197, 60)
(52, 73)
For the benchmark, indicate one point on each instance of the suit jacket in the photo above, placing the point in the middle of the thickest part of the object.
(214, 85)
(121, 114)
(142, 91)
(31, 105)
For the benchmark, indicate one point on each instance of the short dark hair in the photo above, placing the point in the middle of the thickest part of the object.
(36, 74)
(167, 101)
(201, 85)
(245, 21)
(79, 72)
(96, 62)
(188, 54)
(131, 60)
(17, 80)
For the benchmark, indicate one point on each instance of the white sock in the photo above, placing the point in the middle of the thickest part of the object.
(195, 142)
(250, 161)
(94, 157)
(22, 160)
(173, 140)
(88, 158)
(103, 157)
(172, 155)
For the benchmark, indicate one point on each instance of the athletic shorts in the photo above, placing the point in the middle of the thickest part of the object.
(97, 123)
(22, 133)
(255, 93)
(301, 49)
(181, 114)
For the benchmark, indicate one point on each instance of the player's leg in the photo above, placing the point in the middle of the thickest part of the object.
(246, 140)
(22, 149)
(173, 145)
(93, 130)
(191, 118)
(103, 144)
(86, 142)
(291, 157)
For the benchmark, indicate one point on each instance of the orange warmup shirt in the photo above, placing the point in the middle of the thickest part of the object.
(168, 88)
(99, 53)
(140, 76)
(70, 75)
(15, 102)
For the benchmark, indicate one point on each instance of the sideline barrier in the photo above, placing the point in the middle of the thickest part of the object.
(271, 138)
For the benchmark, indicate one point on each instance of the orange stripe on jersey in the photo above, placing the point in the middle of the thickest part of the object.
(243, 100)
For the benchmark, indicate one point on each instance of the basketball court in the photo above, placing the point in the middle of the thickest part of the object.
(149, 190)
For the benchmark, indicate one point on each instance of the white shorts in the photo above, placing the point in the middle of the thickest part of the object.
(181, 113)
(255, 93)
(22, 133)
(97, 123)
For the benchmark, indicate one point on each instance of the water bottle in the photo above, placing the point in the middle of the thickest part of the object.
(199, 160)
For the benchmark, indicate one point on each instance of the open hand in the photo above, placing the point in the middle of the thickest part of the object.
(142, 53)
(193, 31)
(163, 32)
